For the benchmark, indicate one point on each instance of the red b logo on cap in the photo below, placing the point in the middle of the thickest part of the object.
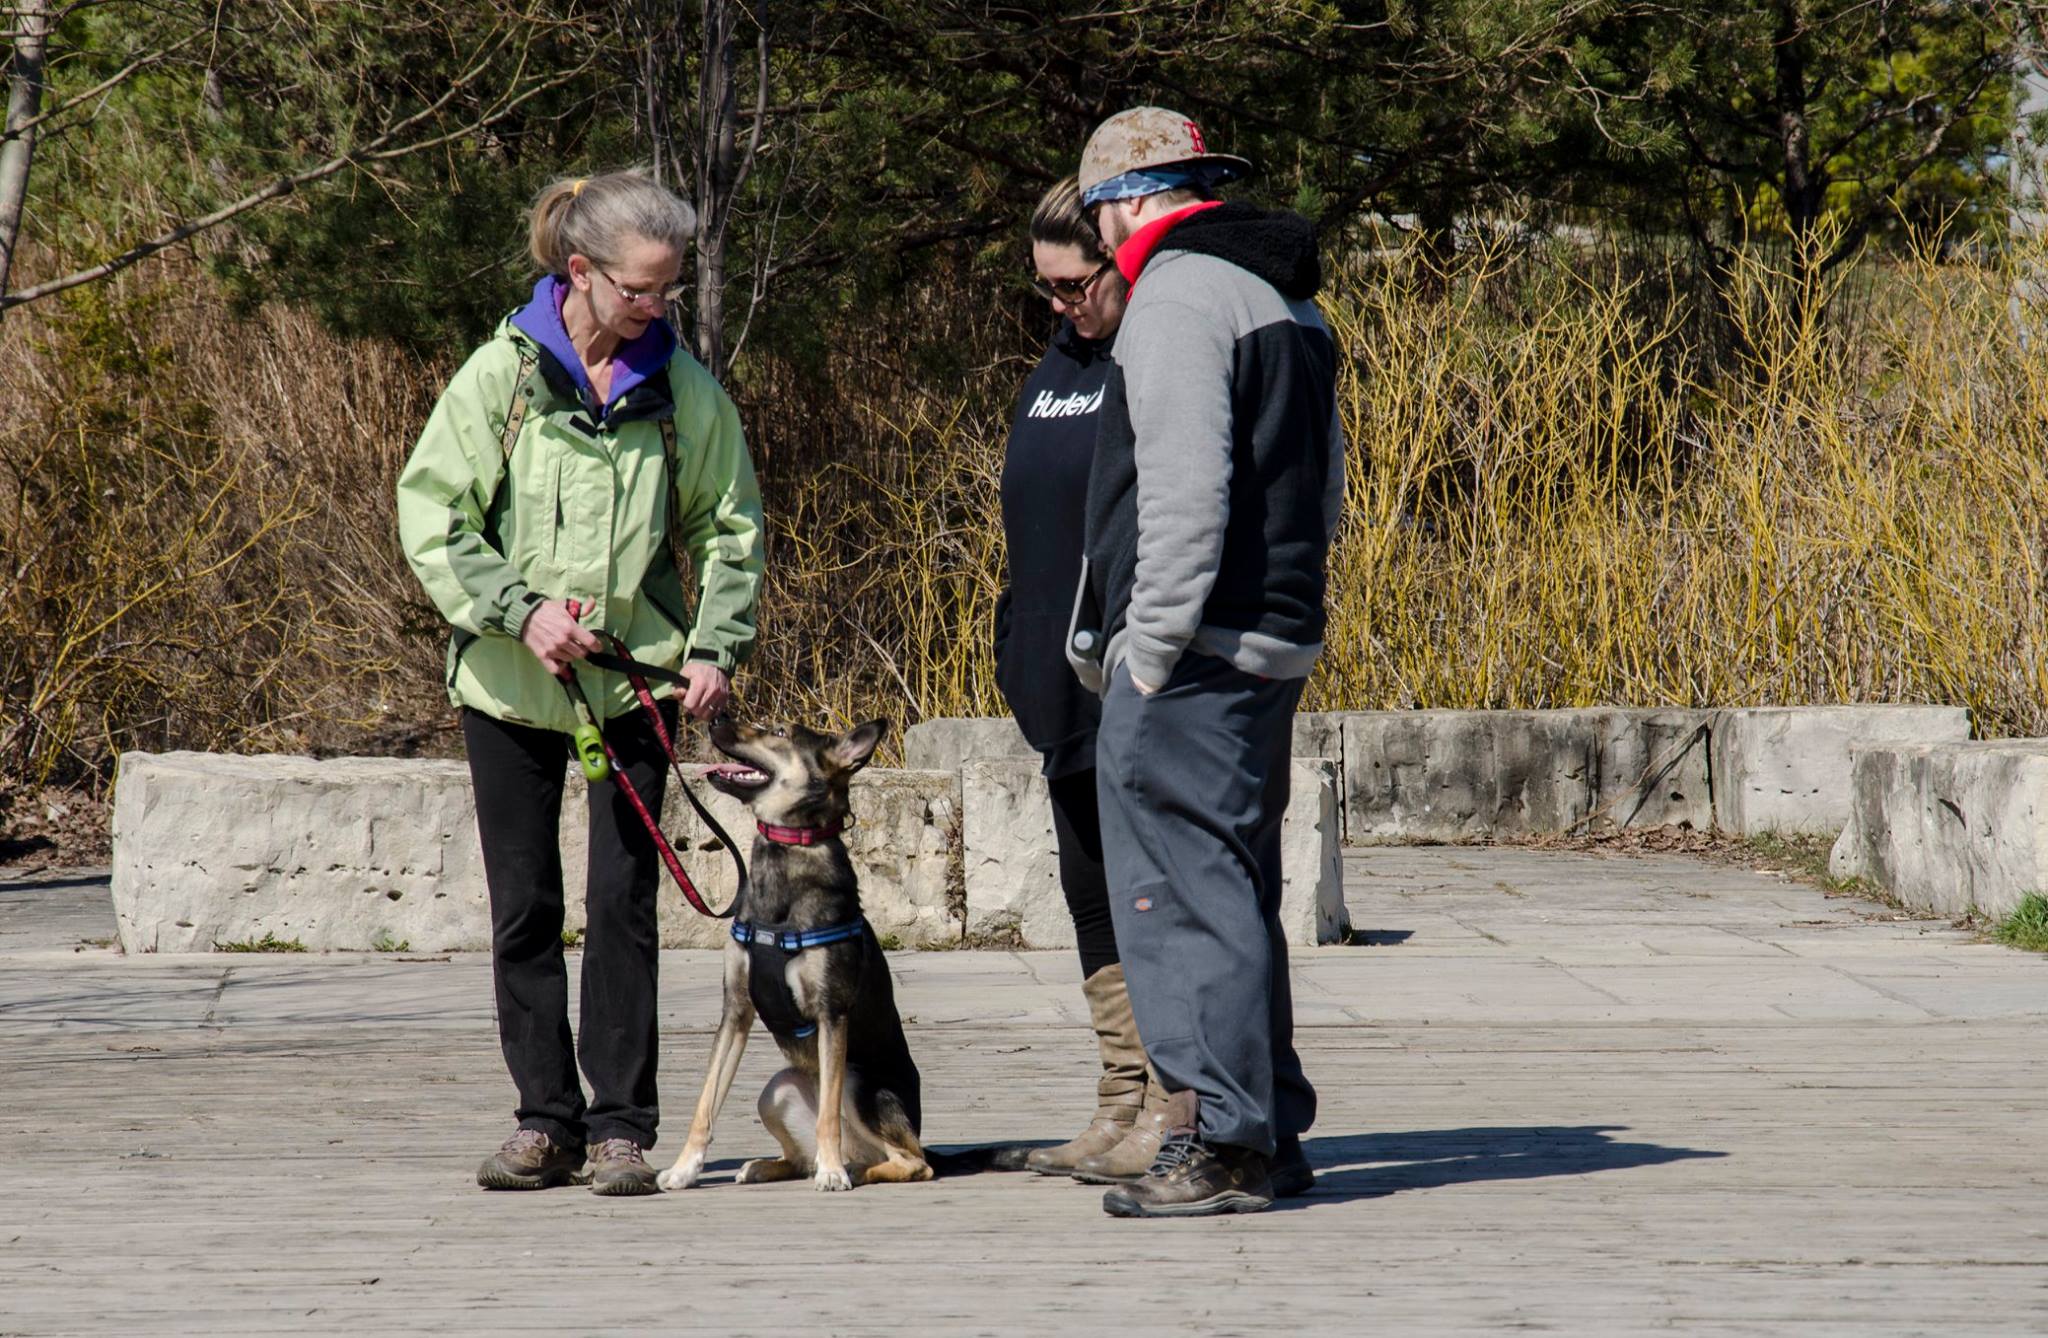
(1195, 135)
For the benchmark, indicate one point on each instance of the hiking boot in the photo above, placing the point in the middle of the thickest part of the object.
(1289, 1172)
(530, 1160)
(1194, 1178)
(618, 1167)
(1120, 1090)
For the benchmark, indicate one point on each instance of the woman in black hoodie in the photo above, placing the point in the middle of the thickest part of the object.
(1045, 489)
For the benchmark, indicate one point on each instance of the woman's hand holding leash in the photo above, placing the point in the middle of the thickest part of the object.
(708, 690)
(555, 637)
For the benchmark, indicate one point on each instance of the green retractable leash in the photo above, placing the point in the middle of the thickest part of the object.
(598, 762)
(589, 743)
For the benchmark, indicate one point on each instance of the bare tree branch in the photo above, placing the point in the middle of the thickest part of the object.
(104, 86)
(382, 148)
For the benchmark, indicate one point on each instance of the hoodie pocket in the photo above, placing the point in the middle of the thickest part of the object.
(1084, 634)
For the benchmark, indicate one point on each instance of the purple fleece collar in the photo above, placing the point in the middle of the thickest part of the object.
(638, 359)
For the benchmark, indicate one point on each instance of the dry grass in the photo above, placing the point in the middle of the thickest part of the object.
(1550, 506)
(195, 517)
(1560, 511)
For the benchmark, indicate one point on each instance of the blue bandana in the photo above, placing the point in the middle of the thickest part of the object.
(1143, 181)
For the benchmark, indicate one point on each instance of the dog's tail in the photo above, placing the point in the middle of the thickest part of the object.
(973, 1161)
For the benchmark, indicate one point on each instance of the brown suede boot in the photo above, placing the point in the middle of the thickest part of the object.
(1120, 1092)
(1130, 1159)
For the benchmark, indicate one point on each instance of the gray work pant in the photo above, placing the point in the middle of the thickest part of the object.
(1193, 784)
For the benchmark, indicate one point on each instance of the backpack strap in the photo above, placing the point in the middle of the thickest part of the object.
(668, 455)
(515, 418)
(508, 437)
(515, 413)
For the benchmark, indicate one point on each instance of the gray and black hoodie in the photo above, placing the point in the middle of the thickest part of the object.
(1218, 476)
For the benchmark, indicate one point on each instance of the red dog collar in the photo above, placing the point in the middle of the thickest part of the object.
(799, 836)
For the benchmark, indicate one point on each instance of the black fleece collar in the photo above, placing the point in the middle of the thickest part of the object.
(1278, 246)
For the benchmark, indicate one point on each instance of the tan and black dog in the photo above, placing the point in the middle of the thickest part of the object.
(846, 1109)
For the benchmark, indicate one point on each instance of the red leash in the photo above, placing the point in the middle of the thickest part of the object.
(647, 819)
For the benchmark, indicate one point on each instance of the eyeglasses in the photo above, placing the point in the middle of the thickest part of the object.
(634, 297)
(1073, 292)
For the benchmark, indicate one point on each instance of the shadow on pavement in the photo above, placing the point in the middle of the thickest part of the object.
(30, 882)
(1359, 1166)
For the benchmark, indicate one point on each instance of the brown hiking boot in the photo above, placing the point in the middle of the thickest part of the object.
(530, 1160)
(1121, 1088)
(618, 1167)
(1194, 1178)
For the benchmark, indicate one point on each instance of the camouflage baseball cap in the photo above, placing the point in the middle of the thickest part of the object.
(1157, 149)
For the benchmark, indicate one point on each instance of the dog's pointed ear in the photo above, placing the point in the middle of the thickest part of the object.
(851, 750)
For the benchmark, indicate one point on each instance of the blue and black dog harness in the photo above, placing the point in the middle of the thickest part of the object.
(769, 950)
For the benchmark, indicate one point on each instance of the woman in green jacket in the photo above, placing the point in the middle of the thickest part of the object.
(568, 470)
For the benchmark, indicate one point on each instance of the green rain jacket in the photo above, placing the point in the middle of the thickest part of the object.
(580, 510)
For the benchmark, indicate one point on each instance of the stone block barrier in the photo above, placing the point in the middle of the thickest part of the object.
(352, 852)
(362, 853)
(1011, 863)
(901, 844)
(1469, 775)
(1959, 828)
(948, 743)
(1464, 775)
(1788, 768)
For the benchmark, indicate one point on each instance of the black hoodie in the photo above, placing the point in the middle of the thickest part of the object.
(1045, 486)
(1223, 402)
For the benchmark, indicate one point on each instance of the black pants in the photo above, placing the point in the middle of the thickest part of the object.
(517, 773)
(1077, 826)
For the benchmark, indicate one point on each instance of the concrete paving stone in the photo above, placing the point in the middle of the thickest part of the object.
(1745, 989)
(63, 904)
(1953, 993)
(64, 995)
(1714, 1145)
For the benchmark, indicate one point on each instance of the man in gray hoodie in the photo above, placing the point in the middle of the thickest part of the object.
(1217, 482)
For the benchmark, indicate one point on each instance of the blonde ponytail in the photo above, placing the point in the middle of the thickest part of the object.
(595, 216)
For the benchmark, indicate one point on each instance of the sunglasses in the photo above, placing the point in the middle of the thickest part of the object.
(1070, 291)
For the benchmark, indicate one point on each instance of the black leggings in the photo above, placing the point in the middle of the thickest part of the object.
(517, 772)
(1079, 831)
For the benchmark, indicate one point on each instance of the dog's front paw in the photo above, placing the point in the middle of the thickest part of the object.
(683, 1175)
(831, 1178)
